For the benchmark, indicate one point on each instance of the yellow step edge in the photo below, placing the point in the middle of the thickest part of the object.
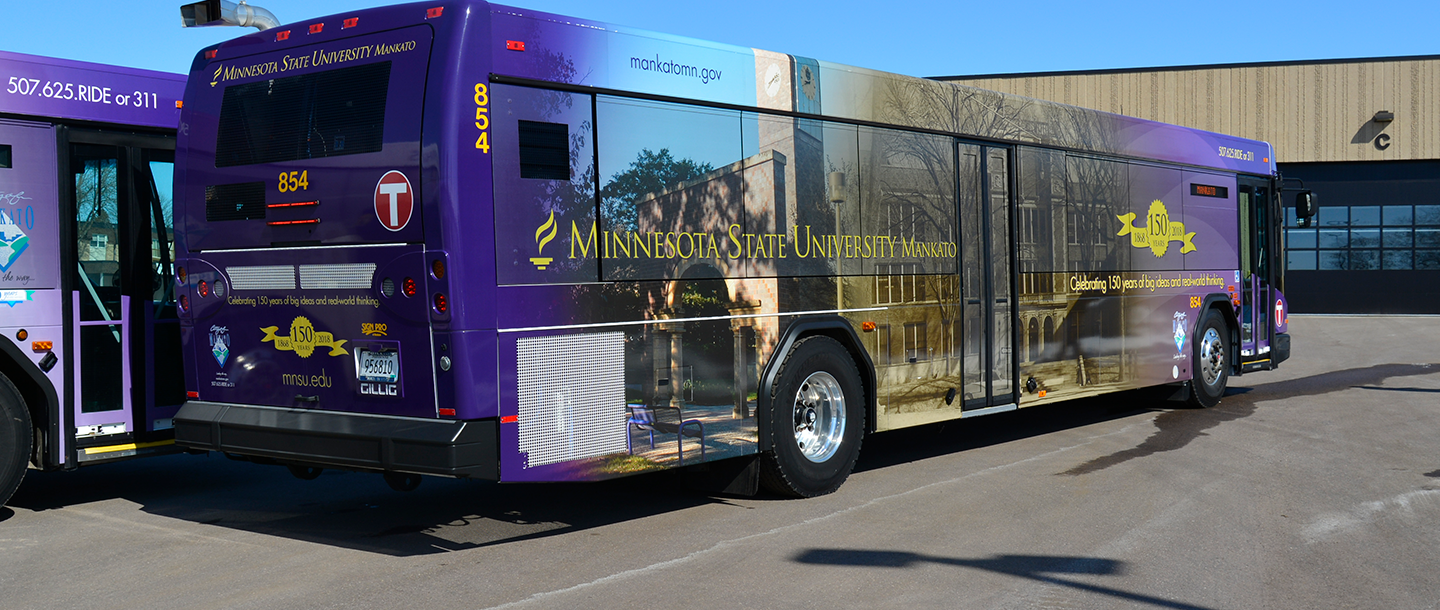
(127, 446)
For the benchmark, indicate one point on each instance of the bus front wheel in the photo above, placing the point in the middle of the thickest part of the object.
(14, 439)
(1211, 366)
(817, 419)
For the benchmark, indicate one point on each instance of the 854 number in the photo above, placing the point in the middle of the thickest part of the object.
(294, 181)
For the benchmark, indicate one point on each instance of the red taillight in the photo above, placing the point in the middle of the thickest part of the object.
(437, 269)
(441, 304)
(192, 395)
(184, 303)
(447, 412)
(285, 35)
(204, 288)
(408, 287)
(431, 13)
(211, 53)
(515, 45)
(350, 23)
(293, 204)
(316, 28)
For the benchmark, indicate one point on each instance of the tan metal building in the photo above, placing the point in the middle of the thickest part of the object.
(1364, 134)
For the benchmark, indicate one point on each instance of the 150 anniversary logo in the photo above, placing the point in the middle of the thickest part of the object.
(303, 339)
(1158, 231)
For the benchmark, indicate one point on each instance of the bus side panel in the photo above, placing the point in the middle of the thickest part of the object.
(1120, 260)
(30, 295)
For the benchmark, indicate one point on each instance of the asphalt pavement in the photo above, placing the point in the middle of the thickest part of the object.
(1313, 486)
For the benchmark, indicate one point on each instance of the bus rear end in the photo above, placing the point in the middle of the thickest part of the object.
(309, 297)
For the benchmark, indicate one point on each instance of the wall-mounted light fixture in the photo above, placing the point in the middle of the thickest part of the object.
(1384, 116)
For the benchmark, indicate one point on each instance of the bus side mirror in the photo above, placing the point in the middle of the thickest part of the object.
(1304, 208)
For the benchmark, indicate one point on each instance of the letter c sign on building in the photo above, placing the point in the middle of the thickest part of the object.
(394, 200)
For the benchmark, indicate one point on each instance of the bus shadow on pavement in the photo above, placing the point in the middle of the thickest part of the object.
(1041, 568)
(348, 509)
(933, 440)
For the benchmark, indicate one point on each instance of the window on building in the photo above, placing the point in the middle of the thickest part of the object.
(1360, 238)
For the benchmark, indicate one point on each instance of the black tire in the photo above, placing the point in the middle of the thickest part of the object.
(15, 436)
(305, 473)
(402, 481)
(816, 366)
(1210, 367)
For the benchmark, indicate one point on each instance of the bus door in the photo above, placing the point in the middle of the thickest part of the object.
(986, 270)
(1256, 270)
(125, 335)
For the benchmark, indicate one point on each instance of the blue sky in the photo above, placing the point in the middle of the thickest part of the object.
(921, 38)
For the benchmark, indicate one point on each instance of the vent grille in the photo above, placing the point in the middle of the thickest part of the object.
(241, 201)
(572, 396)
(328, 277)
(262, 277)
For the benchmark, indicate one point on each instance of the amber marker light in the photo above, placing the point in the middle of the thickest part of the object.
(437, 269)
(42, 346)
(22, 334)
(182, 275)
(867, 327)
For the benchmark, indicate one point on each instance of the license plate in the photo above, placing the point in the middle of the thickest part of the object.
(383, 367)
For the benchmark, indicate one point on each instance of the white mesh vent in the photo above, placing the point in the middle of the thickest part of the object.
(348, 275)
(572, 396)
(262, 277)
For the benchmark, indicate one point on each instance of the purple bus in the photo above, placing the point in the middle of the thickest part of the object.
(472, 240)
(89, 337)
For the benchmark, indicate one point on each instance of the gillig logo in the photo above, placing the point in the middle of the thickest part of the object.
(1158, 231)
(303, 339)
(544, 235)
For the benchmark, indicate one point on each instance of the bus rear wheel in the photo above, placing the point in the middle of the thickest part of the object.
(1211, 366)
(15, 436)
(816, 418)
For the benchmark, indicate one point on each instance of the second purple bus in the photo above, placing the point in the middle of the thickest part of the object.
(472, 240)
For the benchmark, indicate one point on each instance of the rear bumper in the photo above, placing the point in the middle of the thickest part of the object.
(343, 440)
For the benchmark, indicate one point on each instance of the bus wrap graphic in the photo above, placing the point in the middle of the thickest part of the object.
(303, 339)
(1158, 231)
(13, 241)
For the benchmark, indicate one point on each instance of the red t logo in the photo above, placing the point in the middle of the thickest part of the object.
(394, 200)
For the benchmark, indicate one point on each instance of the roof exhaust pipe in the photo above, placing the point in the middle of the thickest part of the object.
(224, 12)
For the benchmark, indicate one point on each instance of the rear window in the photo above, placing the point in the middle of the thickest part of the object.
(321, 114)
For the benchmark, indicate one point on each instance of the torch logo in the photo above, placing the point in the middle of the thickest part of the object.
(544, 235)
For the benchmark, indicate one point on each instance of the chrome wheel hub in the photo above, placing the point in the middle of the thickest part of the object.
(819, 416)
(1212, 356)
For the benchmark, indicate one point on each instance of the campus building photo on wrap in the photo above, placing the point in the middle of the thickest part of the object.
(1362, 134)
